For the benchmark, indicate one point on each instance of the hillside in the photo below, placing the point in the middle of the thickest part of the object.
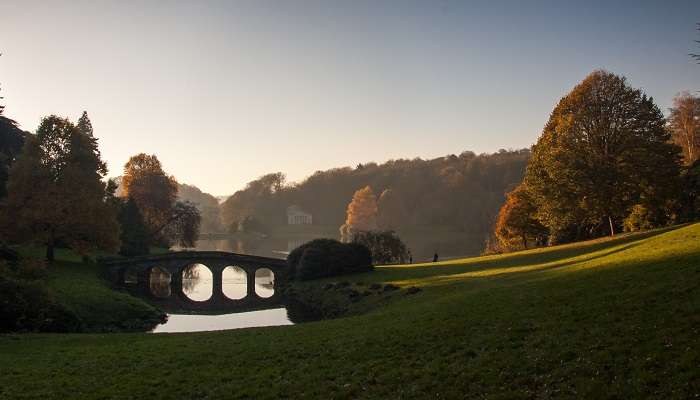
(446, 204)
(610, 318)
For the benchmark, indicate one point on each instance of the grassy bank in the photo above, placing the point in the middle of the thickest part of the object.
(603, 319)
(78, 286)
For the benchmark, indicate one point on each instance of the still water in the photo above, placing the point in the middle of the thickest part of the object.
(198, 287)
(197, 323)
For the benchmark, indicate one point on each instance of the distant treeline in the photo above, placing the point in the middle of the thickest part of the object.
(457, 192)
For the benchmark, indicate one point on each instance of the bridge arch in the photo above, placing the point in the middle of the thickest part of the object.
(234, 282)
(262, 279)
(197, 281)
(264, 282)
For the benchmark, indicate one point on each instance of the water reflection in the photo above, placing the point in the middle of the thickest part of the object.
(197, 323)
(264, 283)
(159, 282)
(197, 282)
(234, 283)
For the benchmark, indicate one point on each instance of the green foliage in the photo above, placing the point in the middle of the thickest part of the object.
(11, 142)
(385, 246)
(604, 149)
(183, 227)
(639, 219)
(56, 192)
(134, 236)
(79, 287)
(691, 192)
(28, 306)
(323, 258)
(25, 302)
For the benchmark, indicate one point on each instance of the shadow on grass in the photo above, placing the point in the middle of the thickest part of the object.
(510, 271)
(525, 261)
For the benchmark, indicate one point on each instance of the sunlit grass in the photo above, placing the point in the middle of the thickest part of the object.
(611, 318)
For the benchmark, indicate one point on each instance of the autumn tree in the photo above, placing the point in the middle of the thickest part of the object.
(684, 123)
(604, 149)
(56, 193)
(155, 194)
(361, 213)
(517, 224)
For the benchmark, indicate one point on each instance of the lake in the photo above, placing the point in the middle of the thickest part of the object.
(188, 309)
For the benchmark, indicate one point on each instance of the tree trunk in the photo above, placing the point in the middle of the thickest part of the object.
(612, 229)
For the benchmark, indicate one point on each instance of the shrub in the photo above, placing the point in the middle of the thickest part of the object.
(639, 219)
(322, 258)
(385, 246)
(28, 306)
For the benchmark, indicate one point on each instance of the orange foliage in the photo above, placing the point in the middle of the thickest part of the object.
(362, 210)
(151, 188)
(517, 224)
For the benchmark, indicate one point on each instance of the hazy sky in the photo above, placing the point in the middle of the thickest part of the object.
(224, 92)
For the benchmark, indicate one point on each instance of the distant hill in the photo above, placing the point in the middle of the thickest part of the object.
(207, 205)
(447, 204)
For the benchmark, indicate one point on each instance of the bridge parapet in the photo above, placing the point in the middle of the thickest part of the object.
(175, 264)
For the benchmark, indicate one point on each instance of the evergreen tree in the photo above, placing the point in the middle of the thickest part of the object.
(604, 149)
(56, 193)
(134, 236)
(11, 141)
(84, 125)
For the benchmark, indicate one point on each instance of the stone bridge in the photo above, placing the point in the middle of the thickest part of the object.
(137, 274)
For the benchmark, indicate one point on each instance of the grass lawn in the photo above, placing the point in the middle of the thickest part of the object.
(78, 286)
(613, 319)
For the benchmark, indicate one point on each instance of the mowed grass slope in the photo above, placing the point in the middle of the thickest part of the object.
(603, 319)
(79, 287)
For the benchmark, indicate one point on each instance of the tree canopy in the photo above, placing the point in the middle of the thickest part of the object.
(604, 149)
(56, 193)
(455, 193)
(155, 193)
(11, 142)
(517, 224)
(684, 123)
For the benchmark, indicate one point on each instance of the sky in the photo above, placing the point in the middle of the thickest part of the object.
(224, 92)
